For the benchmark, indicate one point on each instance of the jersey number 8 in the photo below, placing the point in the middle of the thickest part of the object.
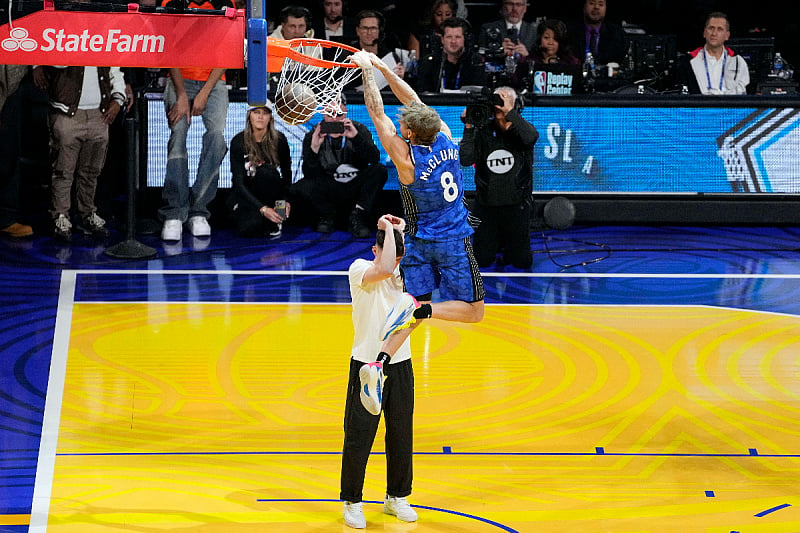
(450, 187)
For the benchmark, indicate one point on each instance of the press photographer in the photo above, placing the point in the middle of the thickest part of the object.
(501, 148)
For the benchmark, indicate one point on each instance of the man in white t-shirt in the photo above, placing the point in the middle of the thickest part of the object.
(374, 287)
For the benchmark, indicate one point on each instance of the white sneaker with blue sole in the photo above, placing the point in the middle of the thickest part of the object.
(401, 316)
(371, 376)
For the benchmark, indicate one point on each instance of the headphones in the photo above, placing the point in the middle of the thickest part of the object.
(296, 12)
(371, 13)
(466, 27)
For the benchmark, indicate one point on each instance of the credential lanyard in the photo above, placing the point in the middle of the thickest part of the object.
(722, 75)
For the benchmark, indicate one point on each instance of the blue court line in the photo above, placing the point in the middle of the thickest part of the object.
(507, 529)
(776, 508)
(447, 451)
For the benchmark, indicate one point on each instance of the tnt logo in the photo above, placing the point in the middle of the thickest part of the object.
(18, 40)
(539, 82)
(500, 161)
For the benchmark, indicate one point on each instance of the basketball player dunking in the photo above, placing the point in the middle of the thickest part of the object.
(437, 230)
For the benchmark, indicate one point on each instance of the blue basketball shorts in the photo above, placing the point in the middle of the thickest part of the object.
(449, 266)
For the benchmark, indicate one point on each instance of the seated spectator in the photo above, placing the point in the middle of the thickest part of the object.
(606, 41)
(455, 66)
(372, 37)
(80, 113)
(552, 44)
(261, 168)
(295, 24)
(342, 174)
(507, 42)
(334, 26)
(715, 69)
(426, 40)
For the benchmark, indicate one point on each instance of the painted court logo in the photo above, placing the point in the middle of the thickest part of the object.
(19, 40)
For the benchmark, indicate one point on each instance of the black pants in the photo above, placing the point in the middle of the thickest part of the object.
(249, 220)
(10, 143)
(506, 229)
(360, 428)
(330, 198)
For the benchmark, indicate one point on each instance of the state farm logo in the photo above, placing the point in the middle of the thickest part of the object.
(57, 40)
(18, 40)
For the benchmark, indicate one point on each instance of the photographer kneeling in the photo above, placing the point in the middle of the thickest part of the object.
(499, 142)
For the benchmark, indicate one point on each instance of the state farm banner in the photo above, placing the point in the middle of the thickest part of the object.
(125, 39)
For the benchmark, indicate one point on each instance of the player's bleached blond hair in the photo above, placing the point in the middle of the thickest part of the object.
(422, 120)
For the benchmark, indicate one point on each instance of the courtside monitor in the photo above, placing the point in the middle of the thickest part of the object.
(758, 52)
(653, 55)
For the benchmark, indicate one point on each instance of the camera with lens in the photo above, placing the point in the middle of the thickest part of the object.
(480, 110)
(493, 51)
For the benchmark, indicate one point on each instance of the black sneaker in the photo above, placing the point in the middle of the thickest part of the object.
(325, 225)
(95, 226)
(357, 227)
(63, 229)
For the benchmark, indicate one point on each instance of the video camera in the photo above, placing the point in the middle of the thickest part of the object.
(480, 111)
(493, 51)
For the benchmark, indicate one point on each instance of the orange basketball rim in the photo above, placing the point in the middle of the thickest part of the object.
(280, 49)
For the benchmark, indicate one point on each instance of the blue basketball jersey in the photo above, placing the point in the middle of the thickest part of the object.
(434, 203)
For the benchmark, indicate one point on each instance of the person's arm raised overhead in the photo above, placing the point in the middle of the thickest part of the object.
(387, 132)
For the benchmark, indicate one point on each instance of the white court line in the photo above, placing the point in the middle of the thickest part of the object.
(45, 465)
(484, 274)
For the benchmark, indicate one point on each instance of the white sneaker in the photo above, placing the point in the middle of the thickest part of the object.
(400, 508)
(371, 376)
(172, 230)
(354, 515)
(199, 227)
(401, 316)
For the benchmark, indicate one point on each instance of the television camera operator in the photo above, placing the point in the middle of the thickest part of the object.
(499, 142)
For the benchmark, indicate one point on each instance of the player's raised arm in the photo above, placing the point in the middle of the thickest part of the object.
(387, 132)
(401, 89)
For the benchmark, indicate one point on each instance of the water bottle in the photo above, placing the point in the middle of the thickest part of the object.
(630, 56)
(510, 64)
(588, 66)
(777, 65)
(412, 63)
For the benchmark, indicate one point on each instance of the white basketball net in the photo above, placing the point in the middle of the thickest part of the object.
(325, 82)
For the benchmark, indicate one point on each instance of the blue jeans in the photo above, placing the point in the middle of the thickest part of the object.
(181, 201)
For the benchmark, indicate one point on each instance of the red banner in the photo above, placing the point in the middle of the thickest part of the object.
(125, 39)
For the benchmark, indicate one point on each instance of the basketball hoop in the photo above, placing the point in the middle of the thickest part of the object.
(313, 73)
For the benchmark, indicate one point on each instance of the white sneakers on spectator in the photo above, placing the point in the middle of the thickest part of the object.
(172, 230)
(354, 515)
(198, 226)
(400, 508)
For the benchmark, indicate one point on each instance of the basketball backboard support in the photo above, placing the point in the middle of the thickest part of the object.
(257, 81)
